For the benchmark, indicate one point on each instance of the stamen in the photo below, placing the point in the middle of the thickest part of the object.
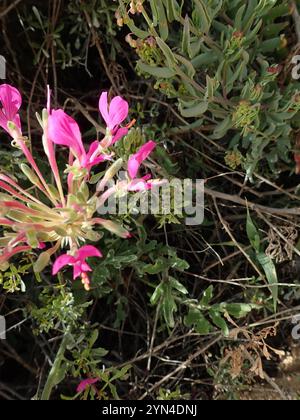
(86, 281)
(131, 124)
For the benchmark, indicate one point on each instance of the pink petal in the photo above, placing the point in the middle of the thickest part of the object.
(61, 262)
(86, 383)
(118, 111)
(64, 130)
(133, 167)
(93, 148)
(85, 268)
(11, 101)
(146, 150)
(77, 271)
(92, 158)
(115, 113)
(119, 135)
(88, 251)
(137, 159)
(103, 107)
(138, 185)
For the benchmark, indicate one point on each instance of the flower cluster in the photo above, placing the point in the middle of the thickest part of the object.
(49, 217)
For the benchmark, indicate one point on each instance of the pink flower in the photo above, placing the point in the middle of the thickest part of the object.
(138, 158)
(114, 114)
(92, 158)
(86, 383)
(80, 266)
(11, 101)
(134, 163)
(64, 130)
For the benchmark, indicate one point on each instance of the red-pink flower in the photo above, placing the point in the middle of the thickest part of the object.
(64, 130)
(86, 383)
(11, 102)
(114, 114)
(78, 261)
(92, 157)
(138, 158)
(134, 163)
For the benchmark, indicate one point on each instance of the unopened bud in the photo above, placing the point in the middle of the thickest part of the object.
(110, 173)
(132, 9)
(132, 42)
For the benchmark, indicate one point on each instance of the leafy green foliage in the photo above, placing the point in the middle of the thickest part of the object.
(203, 316)
(238, 46)
(264, 260)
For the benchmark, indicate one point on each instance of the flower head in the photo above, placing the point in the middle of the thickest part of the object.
(78, 261)
(64, 130)
(58, 215)
(11, 102)
(114, 114)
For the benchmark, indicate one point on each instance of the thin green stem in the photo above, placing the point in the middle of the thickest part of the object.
(55, 376)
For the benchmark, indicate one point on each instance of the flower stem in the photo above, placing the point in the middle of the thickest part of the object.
(55, 375)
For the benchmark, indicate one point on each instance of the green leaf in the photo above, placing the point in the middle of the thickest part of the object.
(189, 68)
(38, 16)
(123, 260)
(207, 296)
(171, 60)
(203, 16)
(158, 292)
(168, 306)
(238, 310)
(154, 11)
(162, 20)
(186, 38)
(252, 233)
(178, 286)
(196, 319)
(238, 18)
(194, 111)
(160, 266)
(99, 353)
(222, 129)
(270, 45)
(179, 264)
(173, 10)
(204, 59)
(136, 31)
(271, 274)
(211, 87)
(219, 321)
(159, 72)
